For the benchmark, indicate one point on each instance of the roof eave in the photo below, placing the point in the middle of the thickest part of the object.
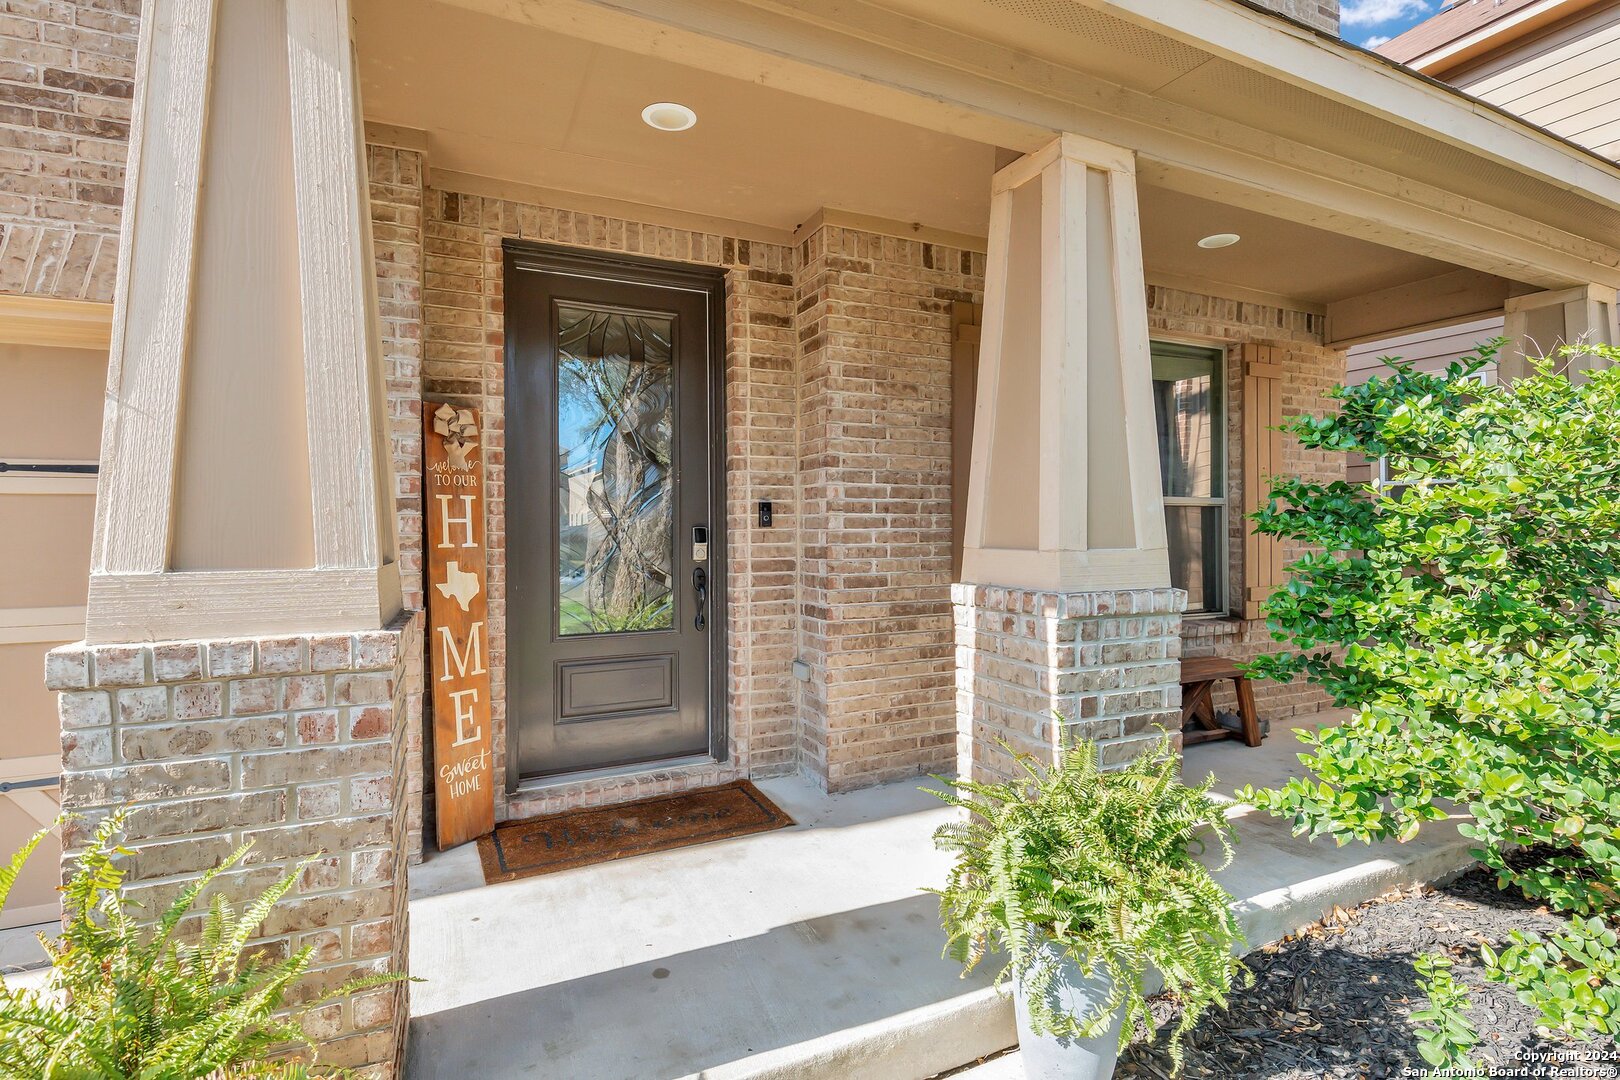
(1214, 25)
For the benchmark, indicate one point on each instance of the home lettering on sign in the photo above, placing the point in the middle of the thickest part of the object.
(457, 619)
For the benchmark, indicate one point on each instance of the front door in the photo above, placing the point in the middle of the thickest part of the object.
(613, 583)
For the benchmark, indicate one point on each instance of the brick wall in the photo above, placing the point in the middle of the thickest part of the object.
(875, 474)
(67, 69)
(296, 744)
(1321, 14)
(1040, 671)
(1312, 371)
(396, 178)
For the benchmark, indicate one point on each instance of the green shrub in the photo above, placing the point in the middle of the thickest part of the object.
(1445, 1034)
(1572, 977)
(1467, 613)
(128, 1001)
(1102, 865)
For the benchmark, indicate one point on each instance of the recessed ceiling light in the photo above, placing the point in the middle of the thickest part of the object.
(668, 116)
(1220, 240)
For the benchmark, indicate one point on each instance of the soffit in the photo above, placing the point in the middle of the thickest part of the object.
(1276, 257)
(517, 103)
(1250, 97)
(1141, 57)
(514, 102)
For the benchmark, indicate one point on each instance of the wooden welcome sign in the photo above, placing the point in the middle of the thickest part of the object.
(458, 641)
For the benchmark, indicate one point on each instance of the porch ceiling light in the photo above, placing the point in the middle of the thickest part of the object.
(1219, 240)
(668, 116)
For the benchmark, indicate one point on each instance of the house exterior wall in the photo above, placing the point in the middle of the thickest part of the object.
(397, 219)
(874, 573)
(837, 348)
(1312, 370)
(837, 412)
(1565, 78)
(67, 71)
(463, 362)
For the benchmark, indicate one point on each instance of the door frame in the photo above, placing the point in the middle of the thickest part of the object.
(528, 256)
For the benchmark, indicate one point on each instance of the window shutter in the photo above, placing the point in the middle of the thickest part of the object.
(1262, 459)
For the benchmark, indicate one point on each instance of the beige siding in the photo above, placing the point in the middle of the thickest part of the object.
(1566, 78)
(56, 396)
(1430, 350)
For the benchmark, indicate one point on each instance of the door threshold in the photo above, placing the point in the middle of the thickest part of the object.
(537, 784)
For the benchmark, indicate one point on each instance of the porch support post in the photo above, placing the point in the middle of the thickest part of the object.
(1537, 324)
(1065, 609)
(241, 675)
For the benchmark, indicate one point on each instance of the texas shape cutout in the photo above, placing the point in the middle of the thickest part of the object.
(458, 585)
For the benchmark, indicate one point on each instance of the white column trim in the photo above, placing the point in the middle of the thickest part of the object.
(336, 273)
(989, 376)
(1089, 358)
(230, 603)
(152, 309)
(353, 584)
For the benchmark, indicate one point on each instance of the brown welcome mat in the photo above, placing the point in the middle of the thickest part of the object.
(604, 833)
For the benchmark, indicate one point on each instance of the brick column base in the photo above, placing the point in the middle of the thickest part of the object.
(1041, 670)
(295, 743)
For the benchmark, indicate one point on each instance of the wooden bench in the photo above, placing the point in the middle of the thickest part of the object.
(1198, 679)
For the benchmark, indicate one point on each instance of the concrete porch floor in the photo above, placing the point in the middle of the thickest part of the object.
(806, 952)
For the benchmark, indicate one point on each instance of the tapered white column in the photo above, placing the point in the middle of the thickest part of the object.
(1064, 491)
(1538, 324)
(244, 475)
(1067, 628)
(244, 673)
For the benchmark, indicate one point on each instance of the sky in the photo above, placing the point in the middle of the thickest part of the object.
(1373, 22)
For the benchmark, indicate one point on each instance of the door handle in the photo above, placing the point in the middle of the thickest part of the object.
(700, 586)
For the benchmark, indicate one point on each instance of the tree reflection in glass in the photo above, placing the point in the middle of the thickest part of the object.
(615, 490)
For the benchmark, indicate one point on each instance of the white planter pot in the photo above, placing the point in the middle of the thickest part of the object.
(1046, 1057)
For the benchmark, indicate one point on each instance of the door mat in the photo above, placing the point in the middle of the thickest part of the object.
(604, 833)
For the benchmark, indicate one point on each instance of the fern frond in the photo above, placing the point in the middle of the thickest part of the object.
(1069, 865)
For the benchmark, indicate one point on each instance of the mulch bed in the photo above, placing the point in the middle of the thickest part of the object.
(1336, 1001)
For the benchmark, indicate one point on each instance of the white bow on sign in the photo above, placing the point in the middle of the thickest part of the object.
(458, 428)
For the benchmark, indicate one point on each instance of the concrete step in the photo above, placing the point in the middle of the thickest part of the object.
(807, 953)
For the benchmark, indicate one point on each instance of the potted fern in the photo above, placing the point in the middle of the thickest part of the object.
(1087, 881)
(125, 1000)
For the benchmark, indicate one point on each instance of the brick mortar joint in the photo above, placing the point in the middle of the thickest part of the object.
(114, 666)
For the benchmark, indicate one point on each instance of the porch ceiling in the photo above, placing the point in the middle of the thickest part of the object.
(518, 103)
(523, 104)
(1275, 256)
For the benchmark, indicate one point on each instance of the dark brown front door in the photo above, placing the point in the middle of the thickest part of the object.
(613, 582)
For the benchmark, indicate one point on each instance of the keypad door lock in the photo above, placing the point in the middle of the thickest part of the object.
(700, 543)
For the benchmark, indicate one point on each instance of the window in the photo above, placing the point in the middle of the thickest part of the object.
(1381, 480)
(1189, 412)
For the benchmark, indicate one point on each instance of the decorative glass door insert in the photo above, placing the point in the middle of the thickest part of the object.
(615, 482)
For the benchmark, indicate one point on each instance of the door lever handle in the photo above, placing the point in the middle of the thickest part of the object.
(700, 586)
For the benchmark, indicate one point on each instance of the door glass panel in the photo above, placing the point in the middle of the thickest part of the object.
(615, 488)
